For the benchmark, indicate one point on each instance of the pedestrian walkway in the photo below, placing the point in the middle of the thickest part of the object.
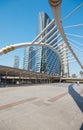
(57, 106)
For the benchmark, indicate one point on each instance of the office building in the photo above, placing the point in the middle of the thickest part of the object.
(29, 58)
(49, 61)
(16, 62)
(42, 59)
(26, 58)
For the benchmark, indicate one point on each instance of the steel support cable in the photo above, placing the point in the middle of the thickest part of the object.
(64, 57)
(22, 45)
(51, 42)
(54, 46)
(60, 42)
(59, 49)
(74, 41)
(62, 50)
(12, 47)
(56, 12)
(75, 25)
(68, 58)
(65, 62)
(77, 48)
(49, 25)
(68, 62)
(67, 52)
(73, 11)
(75, 35)
(80, 55)
(61, 54)
(47, 34)
(74, 69)
(80, 51)
(70, 55)
(51, 37)
(71, 58)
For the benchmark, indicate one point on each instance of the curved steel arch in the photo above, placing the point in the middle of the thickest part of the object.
(21, 45)
(55, 5)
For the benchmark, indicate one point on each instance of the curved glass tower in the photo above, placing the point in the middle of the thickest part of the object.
(49, 62)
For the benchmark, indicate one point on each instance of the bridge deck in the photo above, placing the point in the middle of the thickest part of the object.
(42, 107)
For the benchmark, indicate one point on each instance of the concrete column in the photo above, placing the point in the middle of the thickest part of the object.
(20, 79)
(36, 80)
(5, 79)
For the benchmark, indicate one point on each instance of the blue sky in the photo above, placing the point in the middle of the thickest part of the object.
(19, 19)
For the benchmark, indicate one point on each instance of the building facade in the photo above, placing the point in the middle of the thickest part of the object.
(65, 64)
(29, 58)
(16, 62)
(49, 62)
(26, 58)
(42, 59)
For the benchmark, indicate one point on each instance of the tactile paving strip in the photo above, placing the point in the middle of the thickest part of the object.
(17, 103)
(57, 97)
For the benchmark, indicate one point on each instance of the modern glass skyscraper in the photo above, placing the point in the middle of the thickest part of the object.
(16, 62)
(40, 64)
(49, 61)
(26, 58)
(42, 59)
(29, 58)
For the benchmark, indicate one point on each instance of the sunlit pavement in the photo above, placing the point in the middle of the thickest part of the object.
(57, 106)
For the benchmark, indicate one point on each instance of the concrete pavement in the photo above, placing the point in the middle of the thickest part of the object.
(57, 106)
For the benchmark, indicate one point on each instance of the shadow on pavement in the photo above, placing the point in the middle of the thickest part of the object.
(76, 96)
(81, 128)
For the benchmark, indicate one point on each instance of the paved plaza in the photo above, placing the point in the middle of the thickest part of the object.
(57, 106)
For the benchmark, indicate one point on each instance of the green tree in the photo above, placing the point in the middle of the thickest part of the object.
(81, 74)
